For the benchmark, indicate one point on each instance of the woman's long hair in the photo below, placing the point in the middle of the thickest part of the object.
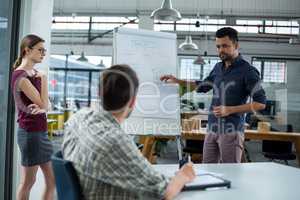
(28, 41)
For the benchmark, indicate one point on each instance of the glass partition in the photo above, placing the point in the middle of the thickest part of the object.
(8, 43)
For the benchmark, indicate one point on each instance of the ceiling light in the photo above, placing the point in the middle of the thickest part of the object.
(188, 44)
(166, 12)
(82, 58)
(101, 65)
(199, 60)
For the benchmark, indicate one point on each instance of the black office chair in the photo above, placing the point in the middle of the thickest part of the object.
(67, 182)
(279, 150)
(193, 147)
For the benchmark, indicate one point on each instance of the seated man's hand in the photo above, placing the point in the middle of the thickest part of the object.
(185, 175)
(187, 172)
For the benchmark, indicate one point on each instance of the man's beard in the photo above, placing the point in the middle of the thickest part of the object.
(225, 57)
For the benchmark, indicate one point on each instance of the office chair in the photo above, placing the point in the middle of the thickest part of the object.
(67, 182)
(193, 147)
(279, 150)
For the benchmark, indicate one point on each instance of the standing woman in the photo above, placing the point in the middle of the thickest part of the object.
(31, 99)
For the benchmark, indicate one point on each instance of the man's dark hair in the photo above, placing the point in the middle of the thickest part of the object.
(118, 84)
(228, 31)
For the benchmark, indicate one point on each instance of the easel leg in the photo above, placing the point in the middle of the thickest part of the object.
(148, 148)
(181, 160)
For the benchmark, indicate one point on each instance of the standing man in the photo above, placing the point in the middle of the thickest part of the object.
(233, 80)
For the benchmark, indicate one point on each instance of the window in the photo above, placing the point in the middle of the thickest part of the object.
(163, 25)
(190, 71)
(248, 26)
(107, 60)
(98, 23)
(209, 25)
(3, 23)
(209, 65)
(271, 26)
(81, 80)
(73, 23)
(272, 71)
(282, 27)
(188, 24)
(108, 23)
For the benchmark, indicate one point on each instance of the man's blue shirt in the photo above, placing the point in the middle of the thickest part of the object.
(232, 86)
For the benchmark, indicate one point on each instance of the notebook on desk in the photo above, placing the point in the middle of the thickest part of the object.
(205, 181)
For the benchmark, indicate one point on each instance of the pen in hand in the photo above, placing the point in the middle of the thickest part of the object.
(183, 161)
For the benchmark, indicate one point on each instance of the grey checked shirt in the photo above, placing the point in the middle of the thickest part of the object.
(107, 161)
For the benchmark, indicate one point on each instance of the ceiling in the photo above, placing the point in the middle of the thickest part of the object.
(247, 8)
(287, 9)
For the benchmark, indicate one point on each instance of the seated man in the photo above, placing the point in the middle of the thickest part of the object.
(106, 159)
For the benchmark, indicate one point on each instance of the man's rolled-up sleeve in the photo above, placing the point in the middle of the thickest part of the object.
(254, 87)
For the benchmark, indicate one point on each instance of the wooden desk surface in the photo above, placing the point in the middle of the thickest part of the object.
(249, 134)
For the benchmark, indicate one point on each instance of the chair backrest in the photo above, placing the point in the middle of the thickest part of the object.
(67, 182)
(278, 146)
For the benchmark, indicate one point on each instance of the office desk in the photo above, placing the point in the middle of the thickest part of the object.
(249, 181)
(255, 135)
(249, 134)
(189, 114)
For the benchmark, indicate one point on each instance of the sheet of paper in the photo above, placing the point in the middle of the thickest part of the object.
(198, 173)
(204, 180)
